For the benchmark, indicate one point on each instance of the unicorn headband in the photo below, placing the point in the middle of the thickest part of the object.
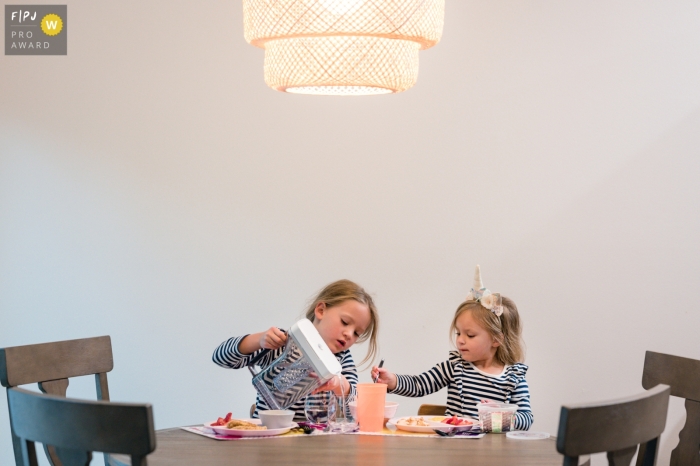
(491, 301)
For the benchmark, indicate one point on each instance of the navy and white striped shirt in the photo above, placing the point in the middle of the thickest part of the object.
(467, 386)
(227, 355)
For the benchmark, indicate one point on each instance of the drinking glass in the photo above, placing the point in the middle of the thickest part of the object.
(320, 408)
(345, 418)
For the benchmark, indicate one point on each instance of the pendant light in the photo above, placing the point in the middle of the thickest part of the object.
(342, 47)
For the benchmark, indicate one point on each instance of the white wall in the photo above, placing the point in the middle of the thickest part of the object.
(152, 188)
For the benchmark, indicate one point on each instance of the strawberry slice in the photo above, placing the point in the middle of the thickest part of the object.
(228, 417)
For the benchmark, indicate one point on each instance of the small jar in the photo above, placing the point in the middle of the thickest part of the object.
(496, 417)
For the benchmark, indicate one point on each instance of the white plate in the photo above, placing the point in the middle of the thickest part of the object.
(461, 428)
(526, 435)
(430, 429)
(222, 430)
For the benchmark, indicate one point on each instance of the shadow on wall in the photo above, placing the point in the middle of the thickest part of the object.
(626, 256)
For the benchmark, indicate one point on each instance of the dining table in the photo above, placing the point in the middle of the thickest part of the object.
(177, 447)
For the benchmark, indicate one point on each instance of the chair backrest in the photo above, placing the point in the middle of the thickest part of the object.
(616, 427)
(683, 375)
(76, 428)
(51, 365)
(432, 410)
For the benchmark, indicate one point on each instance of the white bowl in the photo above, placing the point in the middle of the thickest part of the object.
(276, 418)
(390, 408)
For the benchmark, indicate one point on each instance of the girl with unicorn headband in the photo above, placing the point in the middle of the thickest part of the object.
(487, 365)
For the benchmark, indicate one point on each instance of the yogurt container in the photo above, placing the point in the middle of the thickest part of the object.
(496, 417)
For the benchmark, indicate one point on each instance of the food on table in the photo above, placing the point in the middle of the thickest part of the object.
(496, 417)
(243, 425)
(457, 421)
(413, 421)
(236, 423)
(303, 429)
(497, 422)
(222, 420)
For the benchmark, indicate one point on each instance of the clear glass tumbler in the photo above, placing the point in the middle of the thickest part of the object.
(320, 408)
(346, 414)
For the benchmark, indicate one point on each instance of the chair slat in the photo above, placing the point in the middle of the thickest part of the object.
(102, 386)
(682, 374)
(20, 365)
(432, 410)
(687, 453)
(613, 425)
(622, 457)
(54, 387)
(85, 425)
(50, 365)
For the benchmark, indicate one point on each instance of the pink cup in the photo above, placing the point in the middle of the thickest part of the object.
(370, 406)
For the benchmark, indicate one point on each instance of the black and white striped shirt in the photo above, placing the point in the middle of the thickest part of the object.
(467, 386)
(227, 355)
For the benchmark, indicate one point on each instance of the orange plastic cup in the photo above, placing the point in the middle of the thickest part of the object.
(370, 406)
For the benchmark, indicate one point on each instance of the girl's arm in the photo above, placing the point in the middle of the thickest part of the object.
(349, 373)
(271, 338)
(381, 375)
(426, 383)
(237, 352)
(521, 397)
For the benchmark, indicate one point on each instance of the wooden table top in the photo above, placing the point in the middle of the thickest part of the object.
(176, 447)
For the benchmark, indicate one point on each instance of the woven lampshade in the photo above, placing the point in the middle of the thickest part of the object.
(342, 47)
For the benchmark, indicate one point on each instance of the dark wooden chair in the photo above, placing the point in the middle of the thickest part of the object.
(76, 428)
(432, 410)
(683, 375)
(51, 365)
(616, 427)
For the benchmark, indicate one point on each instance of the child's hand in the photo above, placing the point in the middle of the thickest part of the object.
(334, 385)
(383, 375)
(273, 338)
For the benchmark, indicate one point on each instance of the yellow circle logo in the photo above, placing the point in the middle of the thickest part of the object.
(51, 24)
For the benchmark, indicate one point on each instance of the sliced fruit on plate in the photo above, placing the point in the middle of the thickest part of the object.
(223, 420)
(457, 421)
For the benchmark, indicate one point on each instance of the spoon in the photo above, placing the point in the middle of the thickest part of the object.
(381, 363)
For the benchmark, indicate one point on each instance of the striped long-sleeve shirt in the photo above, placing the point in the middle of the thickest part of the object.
(467, 386)
(228, 355)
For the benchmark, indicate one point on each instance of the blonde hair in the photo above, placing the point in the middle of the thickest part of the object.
(340, 291)
(505, 329)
